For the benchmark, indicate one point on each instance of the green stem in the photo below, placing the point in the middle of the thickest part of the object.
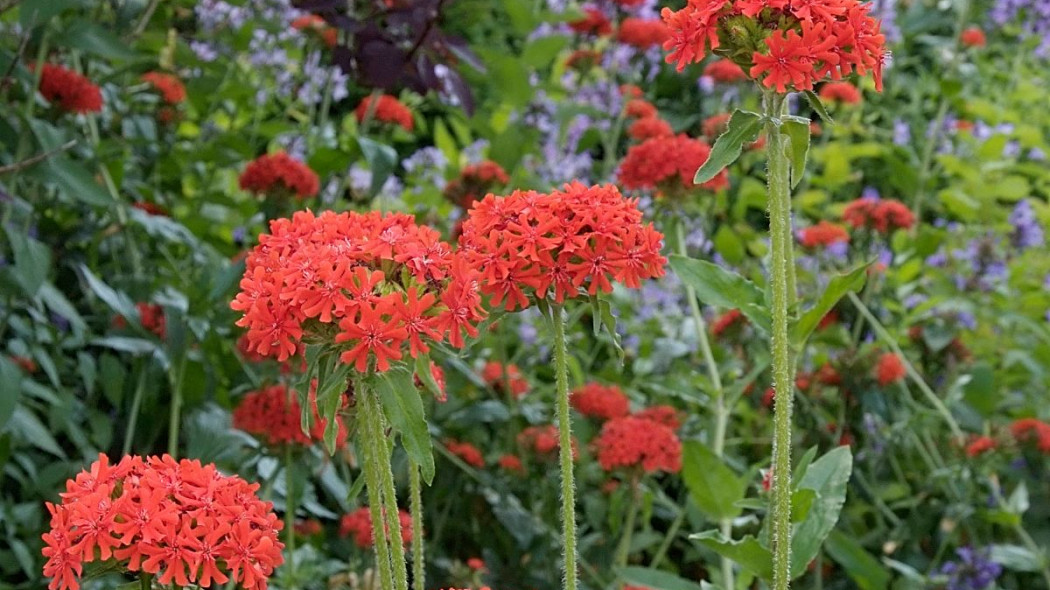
(370, 438)
(780, 230)
(908, 367)
(672, 533)
(389, 499)
(419, 575)
(145, 581)
(289, 511)
(568, 489)
(176, 408)
(136, 403)
(624, 549)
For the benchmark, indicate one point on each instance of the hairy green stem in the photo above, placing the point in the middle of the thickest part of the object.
(390, 509)
(370, 438)
(779, 197)
(623, 551)
(289, 511)
(568, 486)
(419, 575)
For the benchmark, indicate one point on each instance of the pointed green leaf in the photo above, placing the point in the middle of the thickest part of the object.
(382, 161)
(814, 102)
(827, 476)
(655, 579)
(330, 392)
(11, 383)
(404, 408)
(426, 377)
(715, 285)
(743, 128)
(118, 301)
(748, 552)
(609, 321)
(713, 485)
(797, 131)
(32, 261)
(836, 290)
(865, 571)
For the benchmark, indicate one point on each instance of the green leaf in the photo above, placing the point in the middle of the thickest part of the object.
(861, 566)
(836, 290)
(28, 428)
(125, 344)
(797, 131)
(382, 160)
(32, 261)
(712, 484)
(404, 408)
(743, 128)
(609, 322)
(715, 285)
(748, 553)
(814, 102)
(655, 579)
(118, 301)
(10, 389)
(1017, 558)
(34, 12)
(828, 477)
(540, 52)
(72, 180)
(329, 398)
(57, 302)
(96, 40)
(981, 391)
(426, 377)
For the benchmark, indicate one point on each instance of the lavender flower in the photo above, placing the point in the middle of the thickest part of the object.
(973, 571)
(1032, 15)
(886, 11)
(901, 133)
(1027, 232)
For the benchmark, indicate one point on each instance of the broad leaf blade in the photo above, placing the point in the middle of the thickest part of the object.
(743, 128)
(747, 552)
(403, 406)
(796, 129)
(818, 106)
(715, 285)
(835, 291)
(713, 485)
(827, 476)
(655, 579)
(865, 571)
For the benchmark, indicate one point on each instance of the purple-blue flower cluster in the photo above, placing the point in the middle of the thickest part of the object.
(974, 570)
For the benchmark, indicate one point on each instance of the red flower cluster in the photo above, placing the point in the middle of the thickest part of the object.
(648, 127)
(26, 364)
(725, 71)
(668, 163)
(543, 441)
(889, 369)
(69, 90)
(387, 110)
(151, 317)
(638, 108)
(314, 24)
(384, 282)
(603, 402)
(636, 442)
(359, 524)
(642, 33)
(727, 321)
(822, 235)
(841, 92)
(593, 23)
(788, 45)
(583, 59)
(273, 414)
(168, 85)
(467, 452)
(979, 446)
(1032, 429)
(475, 181)
(882, 215)
(566, 242)
(279, 174)
(182, 521)
(973, 37)
(498, 375)
(665, 415)
(511, 463)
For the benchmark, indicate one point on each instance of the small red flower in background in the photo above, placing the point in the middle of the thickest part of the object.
(358, 524)
(802, 42)
(823, 235)
(642, 33)
(467, 452)
(151, 317)
(498, 376)
(889, 369)
(583, 59)
(973, 37)
(715, 125)
(724, 71)
(648, 127)
(726, 321)
(387, 110)
(542, 441)
(25, 363)
(278, 174)
(665, 415)
(668, 164)
(828, 375)
(169, 86)
(638, 108)
(631, 91)
(768, 397)
(882, 215)
(71, 91)
(151, 208)
(511, 463)
(636, 442)
(476, 564)
(308, 527)
(1032, 429)
(980, 445)
(603, 402)
(841, 92)
(438, 375)
(274, 415)
(179, 520)
(386, 283)
(475, 181)
(566, 243)
(594, 22)
(314, 24)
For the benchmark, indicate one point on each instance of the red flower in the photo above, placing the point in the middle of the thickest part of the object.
(1031, 429)
(273, 414)
(476, 564)
(565, 243)
(842, 92)
(884, 216)
(181, 521)
(980, 445)
(168, 85)
(25, 363)
(475, 181)
(973, 37)
(642, 33)
(822, 235)
(665, 415)
(278, 174)
(467, 452)
(312, 23)
(583, 59)
(715, 125)
(151, 208)
(648, 127)
(828, 375)
(498, 376)
(308, 527)
(387, 110)
(631, 91)
(359, 524)
(542, 441)
(151, 317)
(386, 283)
(511, 463)
(725, 71)
(639, 109)
(889, 369)
(69, 90)
(726, 321)
(668, 164)
(637, 442)
(593, 23)
(603, 402)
